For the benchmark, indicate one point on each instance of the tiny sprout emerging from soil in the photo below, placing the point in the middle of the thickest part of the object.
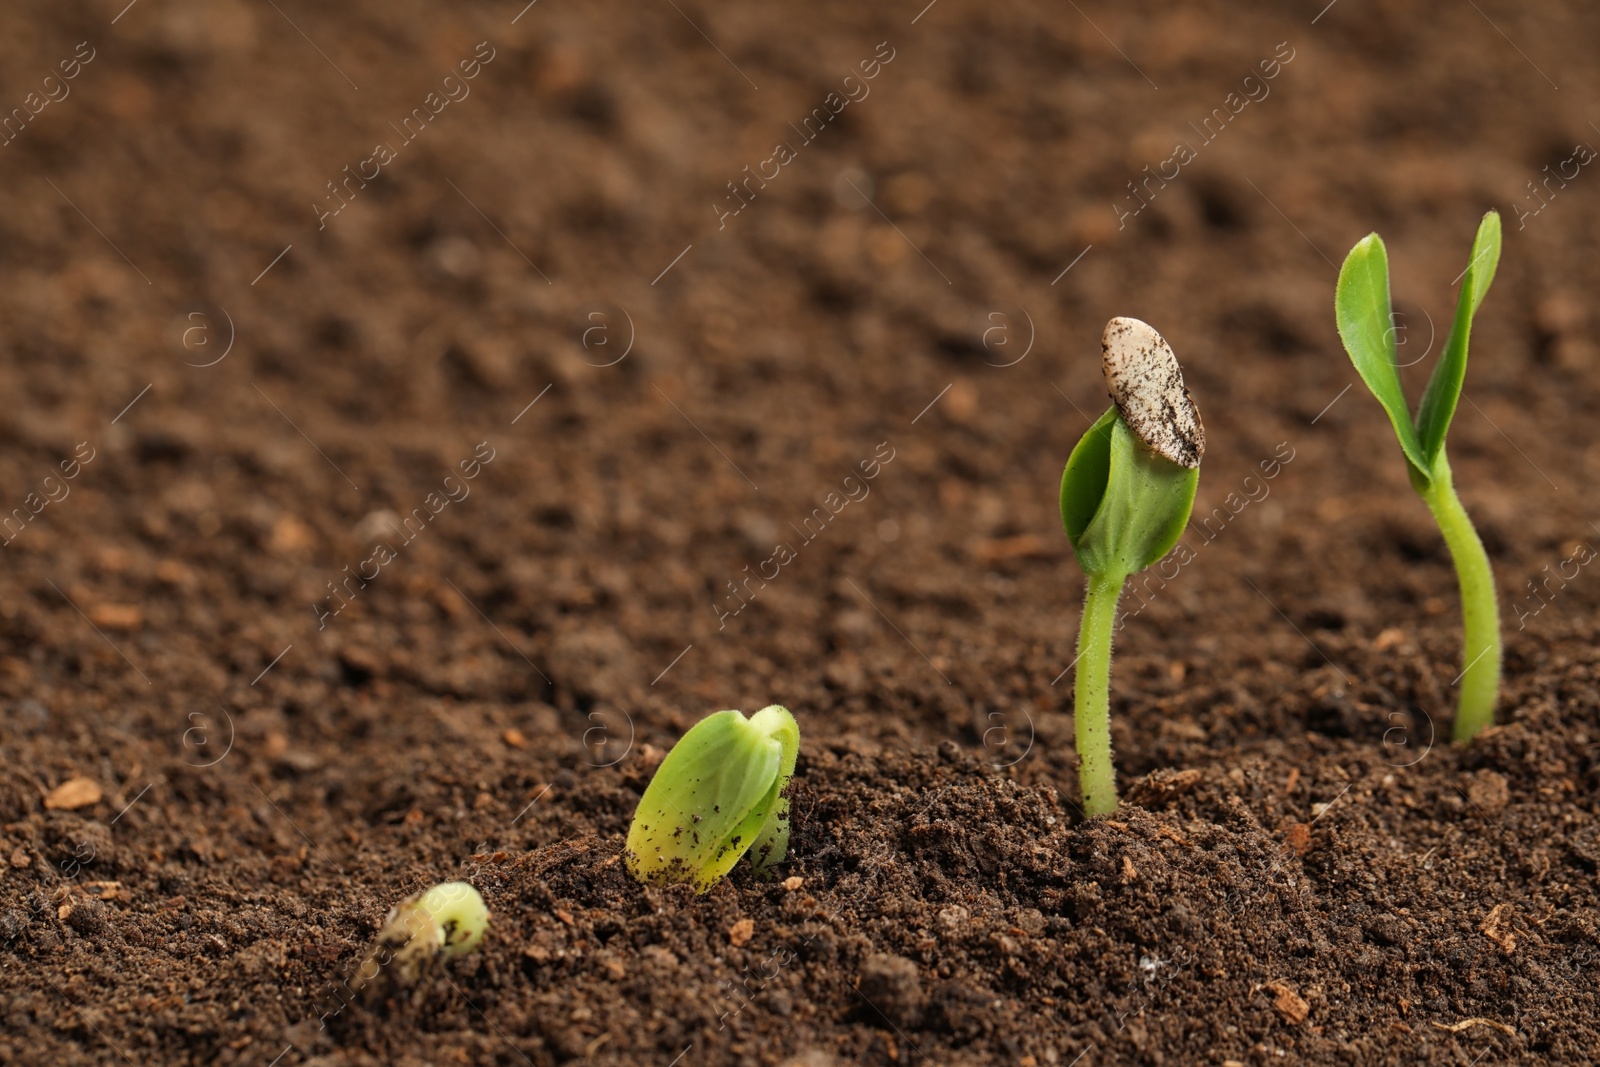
(717, 795)
(1361, 305)
(448, 920)
(1126, 495)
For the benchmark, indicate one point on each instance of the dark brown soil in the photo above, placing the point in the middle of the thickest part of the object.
(1303, 871)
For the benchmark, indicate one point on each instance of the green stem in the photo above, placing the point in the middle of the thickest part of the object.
(1092, 695)
(1480, 612)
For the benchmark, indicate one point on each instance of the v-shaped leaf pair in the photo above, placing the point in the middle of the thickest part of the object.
(1366, 325)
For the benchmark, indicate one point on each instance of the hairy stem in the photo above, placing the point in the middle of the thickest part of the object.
(1092, 695)
(1480, 612)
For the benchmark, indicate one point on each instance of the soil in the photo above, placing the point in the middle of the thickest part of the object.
(225, 755)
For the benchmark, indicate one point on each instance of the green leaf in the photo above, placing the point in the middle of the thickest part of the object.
(1136, 502)
(1083, 483)
(1366, 326)
(771, 844)
(1444, 387)
(717, 795)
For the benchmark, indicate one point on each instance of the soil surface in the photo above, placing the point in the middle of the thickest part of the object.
(418, 416)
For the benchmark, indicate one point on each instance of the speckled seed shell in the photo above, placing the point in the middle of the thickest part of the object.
(1146, 384)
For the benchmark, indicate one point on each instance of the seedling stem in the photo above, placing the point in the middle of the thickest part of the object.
(1480, 611)
(1365, 318)
(1092, 694)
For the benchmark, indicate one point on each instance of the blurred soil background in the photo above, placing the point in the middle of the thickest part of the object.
(583, 350)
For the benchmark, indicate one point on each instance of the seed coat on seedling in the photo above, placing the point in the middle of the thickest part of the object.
(1146, 384)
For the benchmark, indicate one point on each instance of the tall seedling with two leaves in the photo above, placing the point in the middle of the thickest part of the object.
(1365, 318)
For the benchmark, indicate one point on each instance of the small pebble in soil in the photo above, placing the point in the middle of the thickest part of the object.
(1287, 1002)
(953, 919)
(13, 921)
(32, 713)
(85, 915)
(1387, 930)
(73, 793)
(1489, 792)
(891, 985)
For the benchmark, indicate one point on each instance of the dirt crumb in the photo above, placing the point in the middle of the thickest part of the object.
(1489, 792)
(72, 794)
(1289, 1004)
(891, 986)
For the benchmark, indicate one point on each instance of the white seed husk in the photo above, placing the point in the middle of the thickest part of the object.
(1146, 384)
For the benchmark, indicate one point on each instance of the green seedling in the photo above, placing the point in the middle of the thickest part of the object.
(717, 795)
(1126, 495)
(448, 920)
(1362, 307)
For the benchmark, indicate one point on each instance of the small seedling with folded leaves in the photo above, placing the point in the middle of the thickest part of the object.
(1365, 318)
(448, 920)
(718, 795)
(1126, 495)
